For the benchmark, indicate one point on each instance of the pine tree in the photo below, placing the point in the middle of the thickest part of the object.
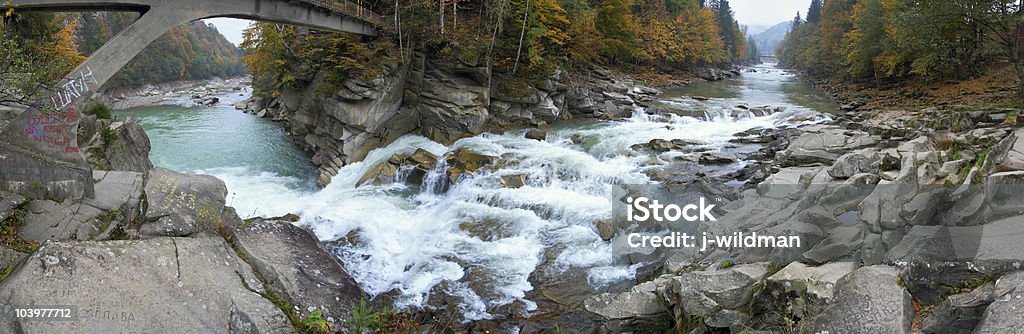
(814, 12)
(796, 22)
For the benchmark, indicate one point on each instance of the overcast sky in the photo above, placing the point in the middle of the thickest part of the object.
(766, 13)
(758, 14)
(230, 28)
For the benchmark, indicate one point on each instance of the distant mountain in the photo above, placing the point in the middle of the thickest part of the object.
(767, 40)
(754, 29)
(192, 51)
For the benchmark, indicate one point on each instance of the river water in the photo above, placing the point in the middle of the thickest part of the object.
(477, 242)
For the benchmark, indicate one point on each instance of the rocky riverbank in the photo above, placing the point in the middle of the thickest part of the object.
(909, 225)
(907, 221)
(442, 101)
(159, 249)
(201, 92)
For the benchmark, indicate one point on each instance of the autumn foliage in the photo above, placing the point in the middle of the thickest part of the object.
(894, 40)
(522, 38)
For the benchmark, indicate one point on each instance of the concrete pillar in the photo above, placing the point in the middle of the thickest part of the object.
(44, 138)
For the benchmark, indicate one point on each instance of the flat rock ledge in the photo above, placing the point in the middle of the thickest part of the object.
(171, 285)
(293, 262)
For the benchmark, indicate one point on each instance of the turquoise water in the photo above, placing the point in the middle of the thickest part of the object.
(219, 138)
(482, 240)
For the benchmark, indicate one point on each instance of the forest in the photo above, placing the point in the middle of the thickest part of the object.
(40, 48)
(528, 39)
(192, 51)
(879, 41)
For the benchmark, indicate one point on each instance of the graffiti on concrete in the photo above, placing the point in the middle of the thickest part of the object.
(52, 128)
(55, 125)
(73, 89)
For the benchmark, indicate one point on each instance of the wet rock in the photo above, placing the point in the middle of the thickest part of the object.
(298, 268)
(513, 181)
(382, 173)
(712, 74)
(536, 134)
(606, 229)
(182, 204)
(465, 161)
(664, 145)
(415, 165)
(181, 285)
(718, 158)
(669, 107)
(868, 300)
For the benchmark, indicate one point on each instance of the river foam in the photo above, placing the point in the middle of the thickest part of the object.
(479, 242)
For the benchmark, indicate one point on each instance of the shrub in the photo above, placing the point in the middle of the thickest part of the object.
(108, 135)
(100, 110)
(315, 323)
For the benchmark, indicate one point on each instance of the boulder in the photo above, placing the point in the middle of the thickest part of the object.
(842, 243)
(183, 204)
(465, 161)
(1003, 315)
(1012, 152)
(718, 158)
(850, 164)
(706, 293)
(992, 247)
(298, 268)
(415, 166)
(536, 134)
(823, 145)
(513, 180)
(179, 285)
(130, 152)
(868, 300)
(814, 283)
(638, 310)
(8, 202)
(118, 201)
(119, 191)
(959, 313)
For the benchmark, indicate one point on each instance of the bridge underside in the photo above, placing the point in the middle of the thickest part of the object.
(40, 142)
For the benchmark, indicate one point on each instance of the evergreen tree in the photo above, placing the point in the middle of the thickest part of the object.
(796, 22)
(814, 12)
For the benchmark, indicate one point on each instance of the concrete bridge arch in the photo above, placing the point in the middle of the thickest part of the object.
(41, 144)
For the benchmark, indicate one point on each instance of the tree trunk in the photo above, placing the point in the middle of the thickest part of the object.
(522, 33)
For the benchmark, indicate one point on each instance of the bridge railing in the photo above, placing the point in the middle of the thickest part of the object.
(351, 9)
